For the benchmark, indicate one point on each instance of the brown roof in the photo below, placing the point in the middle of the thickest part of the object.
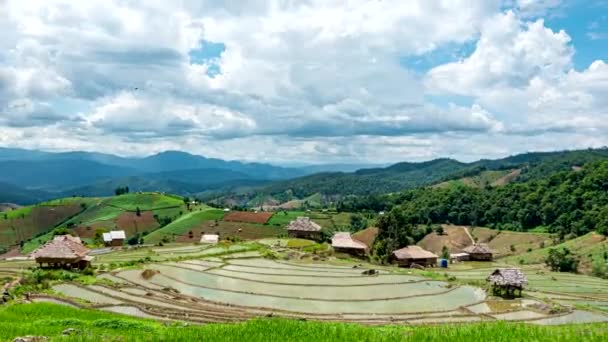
(478, 248)
(62, 247)
(367, 236)
(508, 276)
(304, 224)
(413, 252)
(344, 240)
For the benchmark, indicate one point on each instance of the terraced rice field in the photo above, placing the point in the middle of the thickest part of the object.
(227, 290)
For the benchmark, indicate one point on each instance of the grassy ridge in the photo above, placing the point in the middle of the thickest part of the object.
(184, 224)
(50, 320)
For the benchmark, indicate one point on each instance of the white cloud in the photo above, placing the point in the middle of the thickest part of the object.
(314, 80)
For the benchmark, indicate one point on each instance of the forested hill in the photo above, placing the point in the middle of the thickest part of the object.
(569, 202)
(403, 176)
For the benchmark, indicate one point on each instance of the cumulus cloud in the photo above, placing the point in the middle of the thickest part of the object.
(315, 80)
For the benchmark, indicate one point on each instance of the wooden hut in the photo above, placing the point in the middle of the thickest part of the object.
(457, 257)
(414, 255)
(479, 252)
(114, 238)
(342, 242)
(210, 238)
(304, 228)
(64, 251)
(505, 281)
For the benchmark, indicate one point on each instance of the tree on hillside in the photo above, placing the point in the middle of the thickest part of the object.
(357, 222)
(439, 230)
(121, 190)
(445, 253)
(562, 260)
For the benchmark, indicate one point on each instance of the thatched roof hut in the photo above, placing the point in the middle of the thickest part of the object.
(62, 251)
(343, 242)
(507, 280)
(410, 255)
(479, 252)
(304, 227)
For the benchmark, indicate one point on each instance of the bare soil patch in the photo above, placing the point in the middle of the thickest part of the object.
(248, 216)
(131, 223)
(454, 238)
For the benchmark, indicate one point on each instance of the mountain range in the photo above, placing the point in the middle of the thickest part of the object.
(28, 176)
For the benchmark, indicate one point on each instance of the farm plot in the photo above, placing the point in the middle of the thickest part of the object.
(248, 216)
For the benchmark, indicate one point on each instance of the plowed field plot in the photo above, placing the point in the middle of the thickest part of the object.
(248, 216)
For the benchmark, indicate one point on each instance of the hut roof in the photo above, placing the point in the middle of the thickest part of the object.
(210, 238)
(304, 224)
(344, 240)
(508, 276)
(478, 248)
(367, 236)
(413, 252)
(62, 247)
(114, 235)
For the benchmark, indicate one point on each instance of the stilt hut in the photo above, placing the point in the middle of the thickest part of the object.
(505, 281)
(63, 251)
(304, 228)
(479, 252)
(114, 238)
(414, 255)
(342, 242)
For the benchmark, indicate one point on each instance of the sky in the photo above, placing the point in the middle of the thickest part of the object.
(305, 81)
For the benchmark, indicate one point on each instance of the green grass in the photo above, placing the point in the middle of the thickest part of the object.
(144, 201)
(17, 213)
(299, 243)
(183, 224)
(587, 247)
(50, 320)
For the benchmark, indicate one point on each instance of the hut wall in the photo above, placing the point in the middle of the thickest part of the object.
(426, 262)
(480, 257)
(352, 251)
(301, 234)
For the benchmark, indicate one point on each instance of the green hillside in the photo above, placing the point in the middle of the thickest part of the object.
(185, 223)
(587, 248)
(404, 176)
(25, 223)
(113, 213)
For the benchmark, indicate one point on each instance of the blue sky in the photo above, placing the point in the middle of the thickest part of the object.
(321, 81)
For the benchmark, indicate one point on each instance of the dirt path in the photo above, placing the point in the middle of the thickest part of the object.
(466, 230)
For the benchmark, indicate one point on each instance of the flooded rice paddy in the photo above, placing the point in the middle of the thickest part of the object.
(229, 289)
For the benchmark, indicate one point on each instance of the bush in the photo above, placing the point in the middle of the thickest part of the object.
(599, 268)
(562, 260)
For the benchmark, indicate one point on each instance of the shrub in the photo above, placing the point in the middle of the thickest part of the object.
(599, 268)
(562, 260)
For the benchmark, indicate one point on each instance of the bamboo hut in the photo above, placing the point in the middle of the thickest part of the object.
(64, 251)
(479, 252)
(505, 281)
(114, 238)
(414, 255)
(304, 228)
(342, 242)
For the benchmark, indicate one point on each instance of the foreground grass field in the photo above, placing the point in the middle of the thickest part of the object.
(51, 320)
